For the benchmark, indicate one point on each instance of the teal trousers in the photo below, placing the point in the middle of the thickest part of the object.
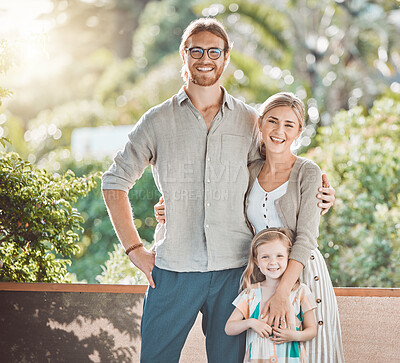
(170, 310)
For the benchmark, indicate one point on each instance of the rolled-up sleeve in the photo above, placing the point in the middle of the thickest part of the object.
(129, 164)
(308, 217)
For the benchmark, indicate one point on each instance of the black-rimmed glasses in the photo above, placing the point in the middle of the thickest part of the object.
(197, 52)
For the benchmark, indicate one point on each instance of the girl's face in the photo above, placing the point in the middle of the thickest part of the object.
(272, 259)
(279, 128)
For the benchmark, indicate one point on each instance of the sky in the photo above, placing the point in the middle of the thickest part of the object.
(26, 35)
(18, 17)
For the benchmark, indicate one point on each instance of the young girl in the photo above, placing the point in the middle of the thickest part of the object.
(268, 260)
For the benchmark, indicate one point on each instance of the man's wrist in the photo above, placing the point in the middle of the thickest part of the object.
(133, 247)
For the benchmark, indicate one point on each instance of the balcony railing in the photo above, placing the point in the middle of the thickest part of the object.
(101, 323)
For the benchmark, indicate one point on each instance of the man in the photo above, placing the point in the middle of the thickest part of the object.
(199, 144)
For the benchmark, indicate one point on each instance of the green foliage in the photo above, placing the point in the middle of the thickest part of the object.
(360, 236)
(159, 33)
(118, 76)
(38, 225)
(118, 269)
(254, 85)
(154, 87)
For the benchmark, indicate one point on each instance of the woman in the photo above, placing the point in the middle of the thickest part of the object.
(281, 193)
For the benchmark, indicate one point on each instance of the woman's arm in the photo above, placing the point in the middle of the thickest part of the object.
(283, 335)
(307, 229)
(308, 214)
(278, 306)
(236, 324)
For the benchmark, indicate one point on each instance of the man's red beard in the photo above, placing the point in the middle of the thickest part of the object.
(207, 79)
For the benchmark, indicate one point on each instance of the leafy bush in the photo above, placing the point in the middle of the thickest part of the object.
(360, 237)
(38, 225)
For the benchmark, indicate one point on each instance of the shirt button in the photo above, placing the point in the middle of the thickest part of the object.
(320, 322)
(312, 257)
(208, 181)
(318, 301)
(316, 278)
(273, 359)
(207, 225)
(208, 159)
(199, 117)
(208, 204)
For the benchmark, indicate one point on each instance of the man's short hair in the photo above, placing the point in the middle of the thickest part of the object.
(211, 25)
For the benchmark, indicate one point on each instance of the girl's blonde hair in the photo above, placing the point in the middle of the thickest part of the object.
(252, 273)
(281, 99)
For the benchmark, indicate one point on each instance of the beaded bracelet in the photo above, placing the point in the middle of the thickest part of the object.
(133, 247)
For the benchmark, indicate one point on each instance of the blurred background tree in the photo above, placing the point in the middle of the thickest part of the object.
(360, 237)
(97, 63)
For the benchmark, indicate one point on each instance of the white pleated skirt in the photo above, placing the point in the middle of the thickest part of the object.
(327, 346)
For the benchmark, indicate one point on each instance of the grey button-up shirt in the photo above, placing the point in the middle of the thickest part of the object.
(202, 175)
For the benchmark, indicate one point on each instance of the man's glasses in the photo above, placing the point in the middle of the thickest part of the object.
(197, 52)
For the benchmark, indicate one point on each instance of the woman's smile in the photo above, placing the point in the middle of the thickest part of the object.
(277, 139)
(279, 128)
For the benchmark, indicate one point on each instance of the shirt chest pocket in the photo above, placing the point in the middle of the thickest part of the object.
(233, 149)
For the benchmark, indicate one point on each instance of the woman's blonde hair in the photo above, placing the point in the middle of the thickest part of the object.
(252, 273)
(281, 99)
